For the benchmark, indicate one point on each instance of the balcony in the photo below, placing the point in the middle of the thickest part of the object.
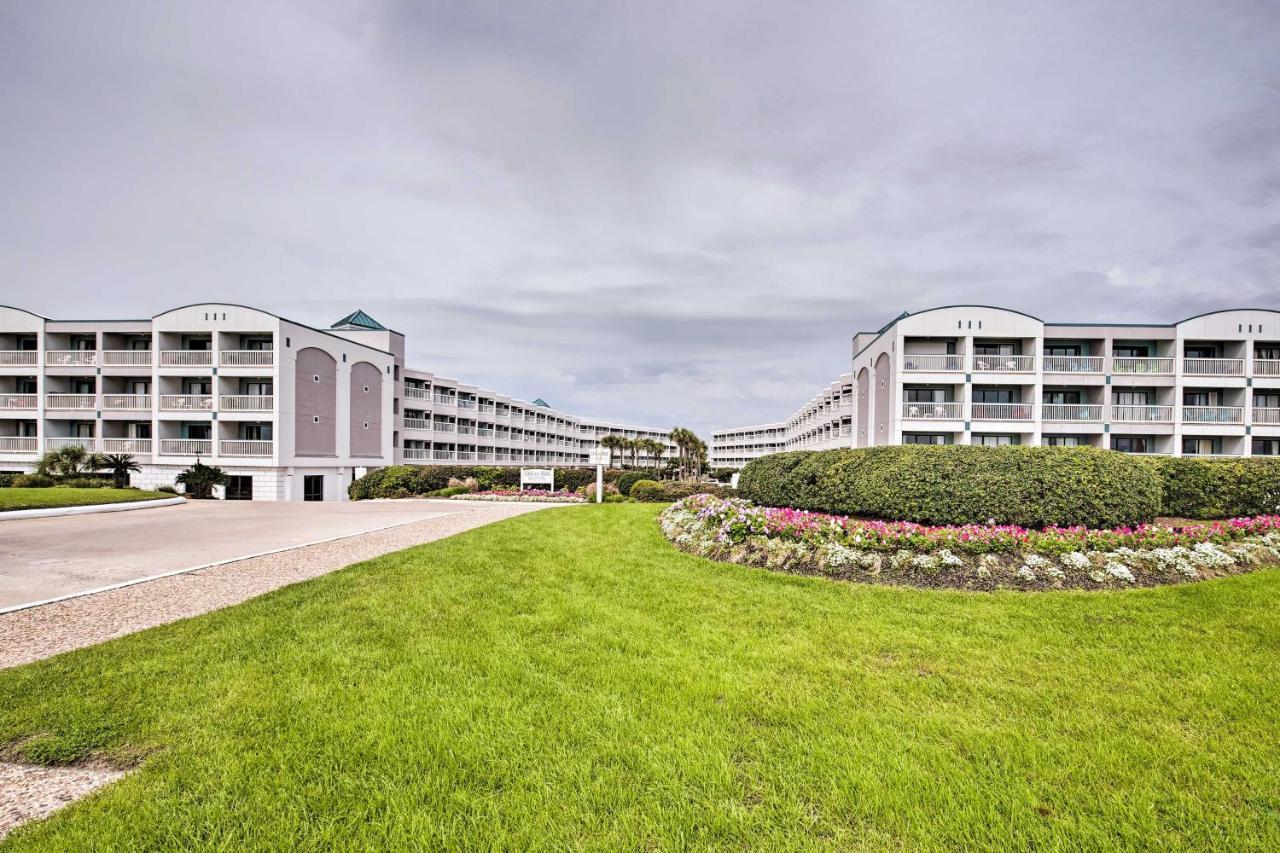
(186, 358)
(1071, 412)
(126, 445)
(484, 431)
(247, 402)
(464, 403)
(186, 403)
(466, 456)
(933, 411)
(442, 455)
(1212, 415)
(1004, 364)
(1003, 411)
(18, 358)
(87, 443)
(486, 408)
(1150, 366)
(1213, 366)
(1266, 416)
(417, 453)
(126, 402)
(247, 358)
(463, 429)
(441, 426)
(70, 358)
(412, 393)
(444, 400)
(417, 423)
(19, 444)
(1261, 366)
(24, 402)
(1073, 364)
(71, 402)
(126, 358)
(1142, 414)
(186, 446)
(925, 363)
(243, 447)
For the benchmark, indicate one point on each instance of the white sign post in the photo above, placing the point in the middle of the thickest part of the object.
(538, 477)
(599, 457)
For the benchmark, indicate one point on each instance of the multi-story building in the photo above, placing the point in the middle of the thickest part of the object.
(968, 374)
(288, 411)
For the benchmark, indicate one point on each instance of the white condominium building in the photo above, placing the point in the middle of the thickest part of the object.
(288, 411)
(970, 374)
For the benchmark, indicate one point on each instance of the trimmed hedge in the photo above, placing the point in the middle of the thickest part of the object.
(962, 484)
(650, 491)
(402, 481)
(1219, 488)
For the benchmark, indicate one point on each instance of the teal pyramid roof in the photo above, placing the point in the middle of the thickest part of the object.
(541, 402)
(359, 320)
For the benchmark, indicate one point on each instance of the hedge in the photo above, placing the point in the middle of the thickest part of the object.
(650, 491)
(962, 484)
(1219, 488)
(401, 481)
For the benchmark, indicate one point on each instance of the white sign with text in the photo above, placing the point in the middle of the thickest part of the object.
(538, 477)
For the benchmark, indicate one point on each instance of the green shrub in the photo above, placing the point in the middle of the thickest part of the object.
(167, 489)
(1219, 488)
(950, 484)
(399, 481)
(651, 491)
(7, 478)
(647, 491)
(33, 481)
(629, 479)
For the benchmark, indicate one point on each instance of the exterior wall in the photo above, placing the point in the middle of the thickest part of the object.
(365, 425)
(315, 423)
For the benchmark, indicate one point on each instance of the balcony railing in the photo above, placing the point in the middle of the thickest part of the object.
(186, 358)
(1153, 366)
(466, 456)
(77, 402)
(186, 446)
(186, 403)
(247, 358)
(1004, 363)
(1266, 416)
(933, 411)
(19, 401)
(444, 455)
(19, 444)
(18, 358)
(464, 403)
(1142, 414)
(444, 400)
(1071, 412)
(89, 444)
(928, 363)
(1261, 367)
(484, 431)
(245, 447)
(247, 402)
(1003, 411)
(412, 393)
(126, 358)
(1212, 415)
(126, 402)
(441, 426)
(126, 445)
(1213, 366)
(417, 423)
(70, 358)
(463, 429)
(486, 408)
(1073, 363)
(417, 453)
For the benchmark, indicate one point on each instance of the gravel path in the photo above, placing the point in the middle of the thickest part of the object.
(30, 793)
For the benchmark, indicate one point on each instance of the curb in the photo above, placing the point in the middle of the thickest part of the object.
(57, 512)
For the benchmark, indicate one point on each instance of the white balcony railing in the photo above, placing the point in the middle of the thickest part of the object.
(19, 444)
(245, 447)
(486, 408)
(444, 400)
(126, 445)
(1073, 363)
(186, 403)
(1004, 363)
(126, 402)
(933, 411)
(466, 456)
(1266, 416)
(70, 358)
(928, 363)
(441, 426)
(19, 401)
(1142, 414)
(1213, 366)
(18, 358)
(464, 403)
(1261, 367)
(126, 358)
(1003, 411)
(417, 453)
(417, 423)
(463, 429)
(186, 358)
(1153, 366)
(76, 402)
(1212, 415)
(412, 393)
(247, 358)
(247, 402)
(186, 446)
(444, 455)
(1071, 412)
(89, 444)
(484, 431)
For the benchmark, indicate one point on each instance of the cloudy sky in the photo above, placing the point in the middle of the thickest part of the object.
(660, 212)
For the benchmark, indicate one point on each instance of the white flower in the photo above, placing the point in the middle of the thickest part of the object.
(1075, 560)
(1119, 572)
(1025, 573)
(949, 560)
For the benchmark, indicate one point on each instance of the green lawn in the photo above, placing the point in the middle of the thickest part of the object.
(567, 680)
(11, 499)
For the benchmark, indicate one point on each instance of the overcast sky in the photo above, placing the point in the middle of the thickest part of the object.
(667, 213)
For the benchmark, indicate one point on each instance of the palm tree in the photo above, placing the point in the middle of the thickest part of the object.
(611, 442)
(119, 464)
(655, 449)
(687, 444)
(200, 479)
(67, 462)
(633, 447)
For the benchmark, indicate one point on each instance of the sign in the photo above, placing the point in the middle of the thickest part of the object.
(599, 456)
(538, 477)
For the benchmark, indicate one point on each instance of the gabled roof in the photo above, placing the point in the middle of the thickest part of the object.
(359, 320)
(541, 402)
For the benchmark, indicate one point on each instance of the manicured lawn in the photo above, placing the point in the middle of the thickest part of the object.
(11, 499)
(567, 680)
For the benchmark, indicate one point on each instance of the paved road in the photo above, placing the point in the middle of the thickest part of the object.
(43, 558)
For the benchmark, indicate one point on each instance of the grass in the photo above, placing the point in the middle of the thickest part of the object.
(566, 679)
(60, 496)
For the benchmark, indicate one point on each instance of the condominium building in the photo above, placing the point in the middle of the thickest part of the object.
(969, 374)
(290, 412)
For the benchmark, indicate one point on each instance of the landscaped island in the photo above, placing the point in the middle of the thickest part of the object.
(15, 498)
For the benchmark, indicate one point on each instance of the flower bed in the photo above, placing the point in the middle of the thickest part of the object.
(973, 556)
(528, 495)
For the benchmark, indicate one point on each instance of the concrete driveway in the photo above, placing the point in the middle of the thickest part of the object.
(43, 558)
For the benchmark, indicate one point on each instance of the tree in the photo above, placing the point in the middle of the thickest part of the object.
(611, 442)
(119, 464)
(67, 462)
(655, 449)
(633, 446)
(692, 451)
(200, 479)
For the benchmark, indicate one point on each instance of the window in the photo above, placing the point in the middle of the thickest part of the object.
(1131, 351)
(994, 349)
(926, 395)
(1131, 398)
(1062, 441)
(82, 430)
(141, 429)
(1200, 351)
(1199, 446)
(81, 386)
(994, 440)
(1062, 398)
(1267, 352)
(256, 389)
(197, 432)
(1062, 349)
(139, 344)
(255, 432)
(923, 438)
(1266, 447)
(1199, 398)
(1129, 443)
(993, 395)
(1266, 400)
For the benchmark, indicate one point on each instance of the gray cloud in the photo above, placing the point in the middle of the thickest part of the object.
(666, 212)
